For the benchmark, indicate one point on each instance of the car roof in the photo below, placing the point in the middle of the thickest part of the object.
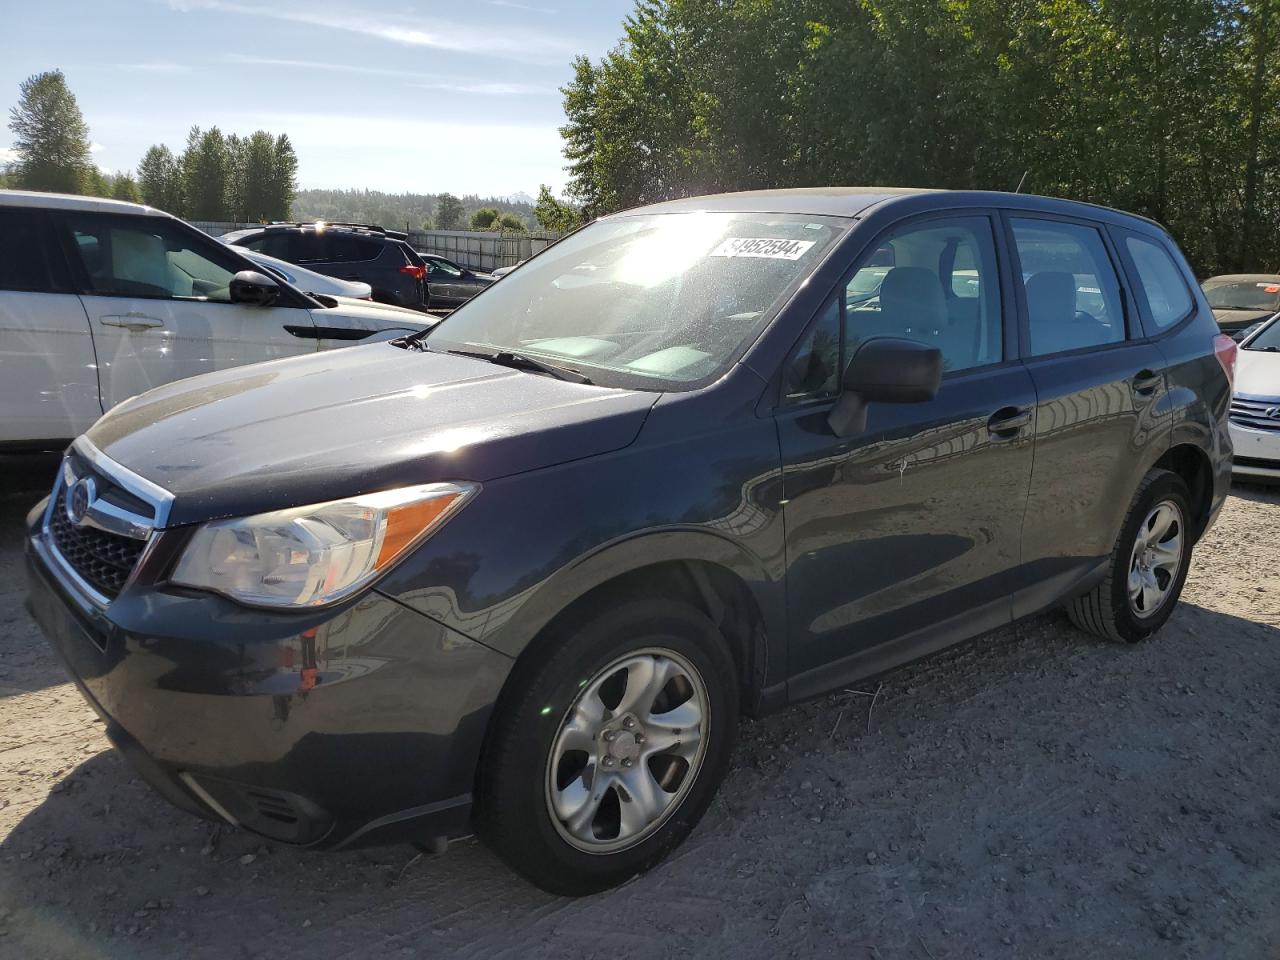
(853, 202)
(66, 201)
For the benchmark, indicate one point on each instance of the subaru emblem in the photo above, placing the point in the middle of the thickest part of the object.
(79, 498)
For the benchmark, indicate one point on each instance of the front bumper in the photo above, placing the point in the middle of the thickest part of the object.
(356, 725)
(1257, 453)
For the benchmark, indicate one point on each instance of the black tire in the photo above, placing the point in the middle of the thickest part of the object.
(512, 810)
(1106, 610)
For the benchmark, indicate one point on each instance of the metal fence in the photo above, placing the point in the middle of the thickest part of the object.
(477, 250)
(482, 251)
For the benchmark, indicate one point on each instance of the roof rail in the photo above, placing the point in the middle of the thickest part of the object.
(328, 223)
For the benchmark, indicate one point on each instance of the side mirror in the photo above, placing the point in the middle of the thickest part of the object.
(254, 288)
(885, 370)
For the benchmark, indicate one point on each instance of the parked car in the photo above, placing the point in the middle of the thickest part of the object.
(525, 571)
(451, 284)
(1240, 301)
(361, 252)
(1255, 407)
(308, 281)
(503, 271)
(101, 300)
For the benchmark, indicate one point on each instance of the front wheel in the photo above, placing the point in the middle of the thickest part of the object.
(610, 749)
(1148, 566)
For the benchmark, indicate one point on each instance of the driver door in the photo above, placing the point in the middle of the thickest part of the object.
(158, 300)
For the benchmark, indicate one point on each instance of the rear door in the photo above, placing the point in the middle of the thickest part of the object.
(907, 536)
(157, 297)
(48, 372)
(1099, 385)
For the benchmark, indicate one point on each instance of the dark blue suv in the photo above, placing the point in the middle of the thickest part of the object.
(525, 571)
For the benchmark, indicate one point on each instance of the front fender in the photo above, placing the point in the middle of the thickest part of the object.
(530, 545)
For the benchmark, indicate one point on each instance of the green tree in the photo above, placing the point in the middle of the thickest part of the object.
(486, 218)
(94, 183)
(124, 187)
(510, 223)
(449, 212)
(1170, 110)
(160, 180)
(284, 181)
(50, 136)
(554, 214)
(206, 170)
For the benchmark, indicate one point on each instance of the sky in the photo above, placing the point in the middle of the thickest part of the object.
(418, 95)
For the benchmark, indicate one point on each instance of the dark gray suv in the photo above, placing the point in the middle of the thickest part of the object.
(525, 571)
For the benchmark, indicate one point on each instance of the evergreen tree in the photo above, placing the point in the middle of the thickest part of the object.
(284, 180)
(160, 180)
(50, 136)
(449, 212)
(124, 187)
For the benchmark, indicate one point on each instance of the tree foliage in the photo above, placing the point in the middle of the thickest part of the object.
(222, 177)
(51, 138)
(1167, 109)
(555, 214)
(449, 212)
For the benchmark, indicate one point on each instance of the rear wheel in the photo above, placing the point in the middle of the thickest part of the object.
(610, 749)
(1148, 566)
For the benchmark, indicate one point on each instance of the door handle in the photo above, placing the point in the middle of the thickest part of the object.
(1145, 382)
(1007, 422)
(134, 322)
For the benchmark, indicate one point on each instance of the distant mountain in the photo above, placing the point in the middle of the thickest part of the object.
(521, 197)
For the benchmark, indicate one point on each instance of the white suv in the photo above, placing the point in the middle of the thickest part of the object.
(101, 300)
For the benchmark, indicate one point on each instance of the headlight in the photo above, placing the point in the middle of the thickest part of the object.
(311, 556)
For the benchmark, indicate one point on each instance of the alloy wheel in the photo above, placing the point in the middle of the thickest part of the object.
(1157, 558)
(627, 750)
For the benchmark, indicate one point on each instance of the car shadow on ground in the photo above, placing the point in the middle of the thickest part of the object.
(1031, 792)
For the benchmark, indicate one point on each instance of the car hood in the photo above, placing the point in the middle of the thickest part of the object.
(1240, 318)
(343, 422)
(374, 316)
(1258, 374)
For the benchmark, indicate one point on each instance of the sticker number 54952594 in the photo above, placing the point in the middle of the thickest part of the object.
(762, 247)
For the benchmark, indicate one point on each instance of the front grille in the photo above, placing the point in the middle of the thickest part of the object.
(120, 512)
(1256, 413)
(103, 560)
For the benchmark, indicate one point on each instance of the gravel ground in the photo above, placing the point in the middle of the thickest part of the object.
(1033, 793)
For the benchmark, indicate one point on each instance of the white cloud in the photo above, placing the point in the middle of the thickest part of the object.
(96, 147)
(424, 81)
(8, 155)
(525, 46)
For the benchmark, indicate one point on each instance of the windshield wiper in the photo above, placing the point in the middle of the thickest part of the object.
(522, 361)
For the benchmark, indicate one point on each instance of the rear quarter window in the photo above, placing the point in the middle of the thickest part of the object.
(1160, 282)
(22, 262)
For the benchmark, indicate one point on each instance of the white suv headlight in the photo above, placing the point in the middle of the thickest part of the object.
(319, 554)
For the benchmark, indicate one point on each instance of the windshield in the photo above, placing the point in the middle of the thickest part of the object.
(1267, 339)
(1243, 294)
(655, 302)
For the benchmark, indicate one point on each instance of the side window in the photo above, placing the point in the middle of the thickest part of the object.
(149, 257)
(1168, 299)
(814, 369)
(341, 247)
(442, 269)
(22, 261)
(1073, 294)
(272, 244)
(935, 282)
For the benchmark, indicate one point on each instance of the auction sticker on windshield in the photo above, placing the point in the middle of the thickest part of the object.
(763, 247)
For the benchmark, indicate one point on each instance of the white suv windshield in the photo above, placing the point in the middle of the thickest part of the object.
(651, 302)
